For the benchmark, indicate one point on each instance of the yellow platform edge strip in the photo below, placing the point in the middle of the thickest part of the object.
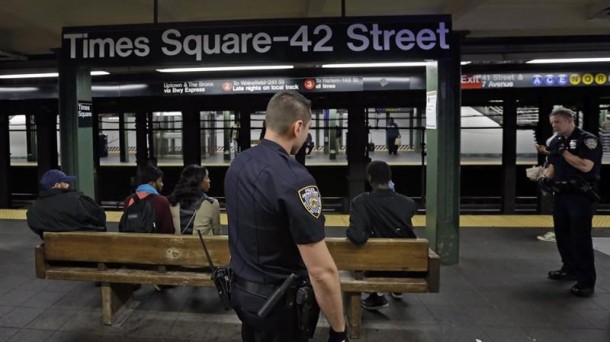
(340, 220)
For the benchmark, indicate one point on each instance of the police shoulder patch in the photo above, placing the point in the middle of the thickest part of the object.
(310, 197)
(591, 143)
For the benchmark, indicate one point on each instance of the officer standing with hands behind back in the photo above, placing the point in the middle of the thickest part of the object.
(276, 230)
(572, 174)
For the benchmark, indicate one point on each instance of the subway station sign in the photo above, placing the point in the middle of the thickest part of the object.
(265, 85)
(536, 80)
(328, 40)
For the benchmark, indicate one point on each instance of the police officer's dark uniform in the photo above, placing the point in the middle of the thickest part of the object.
(273, 204)
(381, 213)
(575, 200)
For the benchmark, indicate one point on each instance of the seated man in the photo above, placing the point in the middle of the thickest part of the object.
(381, 213)
(150, 181)
(61, 209)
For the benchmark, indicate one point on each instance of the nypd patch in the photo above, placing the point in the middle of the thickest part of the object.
(310, 197)
(591, 143)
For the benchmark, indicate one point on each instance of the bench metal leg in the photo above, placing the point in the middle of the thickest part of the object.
(354, 314)
(114, 296)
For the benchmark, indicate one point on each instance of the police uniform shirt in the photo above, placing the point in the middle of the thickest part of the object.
(584, 145)
(272, 204)
(381, 213)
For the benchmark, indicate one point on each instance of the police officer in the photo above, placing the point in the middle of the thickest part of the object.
(572, 174)
(276, 228)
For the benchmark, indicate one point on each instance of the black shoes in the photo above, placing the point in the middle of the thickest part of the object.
(374, 301)
(561, 275)
(582, 290)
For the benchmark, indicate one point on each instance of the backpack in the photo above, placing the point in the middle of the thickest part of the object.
(139, 216)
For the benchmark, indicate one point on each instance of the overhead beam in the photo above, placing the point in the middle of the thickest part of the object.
(459, 8)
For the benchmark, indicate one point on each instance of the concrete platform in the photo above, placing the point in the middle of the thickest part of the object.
(497, 293)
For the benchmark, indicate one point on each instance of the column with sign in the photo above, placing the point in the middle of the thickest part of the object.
(76, 132)
(443, 158)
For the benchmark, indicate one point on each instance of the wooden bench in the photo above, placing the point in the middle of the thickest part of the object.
(120, 260)
(392, 255)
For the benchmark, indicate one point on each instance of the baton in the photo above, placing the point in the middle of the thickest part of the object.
(276, 296)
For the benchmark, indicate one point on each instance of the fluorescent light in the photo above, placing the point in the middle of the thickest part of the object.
(17, 89)
(465, 62)
(568, 60)
(229, 68)
(168, 113)
(375, 65)
(39, 75)
(46, 74)
(119, 87)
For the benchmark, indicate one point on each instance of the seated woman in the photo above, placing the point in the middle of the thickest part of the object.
(192, 209)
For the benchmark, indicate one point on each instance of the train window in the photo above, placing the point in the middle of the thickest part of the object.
(481, 135)
(20, 147)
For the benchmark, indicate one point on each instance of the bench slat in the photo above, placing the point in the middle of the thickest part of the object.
(381, 284)
(380, 254)
(151, 249)
(129, 276)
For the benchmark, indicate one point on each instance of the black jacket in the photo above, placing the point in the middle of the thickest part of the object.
(59, 210)
(382, 213)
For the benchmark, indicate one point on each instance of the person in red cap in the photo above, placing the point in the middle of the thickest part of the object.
(60, 208)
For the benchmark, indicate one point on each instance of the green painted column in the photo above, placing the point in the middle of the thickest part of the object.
(76, 133)
(443, 157)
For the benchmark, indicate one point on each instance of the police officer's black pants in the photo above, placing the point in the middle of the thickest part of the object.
(572, 217)
(279, 326)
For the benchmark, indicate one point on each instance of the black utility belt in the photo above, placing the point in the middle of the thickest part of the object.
(572, 187)
(264, 290)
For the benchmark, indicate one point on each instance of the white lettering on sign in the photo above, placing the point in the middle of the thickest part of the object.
(200, 45)
(358, 37)
(84, 110)
(386, 40)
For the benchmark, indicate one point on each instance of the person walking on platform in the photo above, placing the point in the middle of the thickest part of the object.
(392, 133)
(572, 175)
(192, 209)
(276, 231)
(381, 213)
(61, 209)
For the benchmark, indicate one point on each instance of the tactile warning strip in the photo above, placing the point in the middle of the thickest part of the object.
(339, 220)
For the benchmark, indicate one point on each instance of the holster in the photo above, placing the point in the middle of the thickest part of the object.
(222, 277)
(308, 311)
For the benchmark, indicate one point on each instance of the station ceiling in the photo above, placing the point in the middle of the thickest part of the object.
(33, 27)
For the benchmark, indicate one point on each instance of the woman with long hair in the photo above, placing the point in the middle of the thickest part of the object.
(192, 209)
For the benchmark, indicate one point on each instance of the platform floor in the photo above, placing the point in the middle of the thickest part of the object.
(497, 293)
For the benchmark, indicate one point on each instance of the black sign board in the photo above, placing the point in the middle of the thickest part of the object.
(84, 113)
(536, 79)
(305, 85)
(328, 40)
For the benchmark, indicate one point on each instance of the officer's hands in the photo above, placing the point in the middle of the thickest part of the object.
(542, 149)
(534, 173)
(558, 146)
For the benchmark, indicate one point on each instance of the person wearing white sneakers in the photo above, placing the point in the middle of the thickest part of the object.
(535, 174)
